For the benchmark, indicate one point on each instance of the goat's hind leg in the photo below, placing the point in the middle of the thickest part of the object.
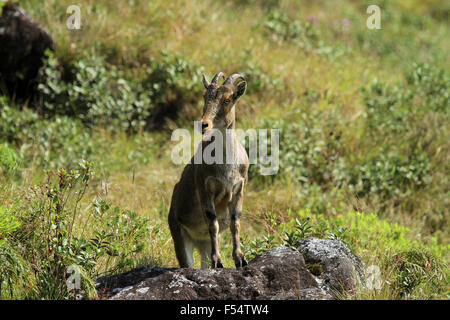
(184, 246)
(204, 247)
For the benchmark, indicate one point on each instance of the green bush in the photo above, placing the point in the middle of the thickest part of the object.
(257, 246)
(431, 86)
(399, 108)
(46, 230)
(279, 27)
(100, 95)
(121, 233)
(311, 149)
(302, 230)
(402, 22)
(46, 235)
(388, 109)
(174, 85)
(8, 158)
(312, 152)
(95, 94)
(258, 80)
(61, 142)
(51, 143)
(14, 123)
(415, 270)
(408, 115)
(392, 175)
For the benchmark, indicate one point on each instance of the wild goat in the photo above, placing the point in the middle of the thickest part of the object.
(209, 197)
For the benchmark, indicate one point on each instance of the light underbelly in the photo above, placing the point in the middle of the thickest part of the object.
(200, 231)
(223, 217)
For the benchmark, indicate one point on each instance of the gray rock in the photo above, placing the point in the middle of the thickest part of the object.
(340, 270)
(22, 46)
(280, 273)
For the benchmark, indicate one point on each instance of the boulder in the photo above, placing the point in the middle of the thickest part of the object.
(22, 46)
(337, 269)
(280, 273)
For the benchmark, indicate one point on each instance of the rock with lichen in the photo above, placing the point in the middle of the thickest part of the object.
(280, 273)
(338, 270)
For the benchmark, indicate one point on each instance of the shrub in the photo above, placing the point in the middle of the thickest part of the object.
(279, 27)
(15, 123)
(310, 151)
(258, 80)
(257, 246)
(46, 235)
(392, 175)
(388, 109)
(302, 230)
(121, 233)
(408, 116)
(46, 230)
(398, 108)
(8, 158)
(103, 95)
(62, 142)
(95, 94)
(431, 85)
(50, 143)
(174, 85)
(417, 268)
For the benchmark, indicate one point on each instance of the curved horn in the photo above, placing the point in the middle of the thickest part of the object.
(231, 81)
(215, 80)
(205, 82)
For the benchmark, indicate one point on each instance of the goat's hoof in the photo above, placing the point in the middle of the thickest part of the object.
(217, 264)
(241, 263)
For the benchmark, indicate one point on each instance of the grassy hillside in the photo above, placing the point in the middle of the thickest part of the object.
(86, 174)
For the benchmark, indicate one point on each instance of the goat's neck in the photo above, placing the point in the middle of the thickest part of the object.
(229, 142)
(229, 138)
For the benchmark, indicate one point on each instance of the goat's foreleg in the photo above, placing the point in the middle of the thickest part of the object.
(213, 226)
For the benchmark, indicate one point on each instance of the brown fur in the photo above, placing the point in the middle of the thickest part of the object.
(209, 197)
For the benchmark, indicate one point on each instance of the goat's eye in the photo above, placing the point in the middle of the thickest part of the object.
(226, 101)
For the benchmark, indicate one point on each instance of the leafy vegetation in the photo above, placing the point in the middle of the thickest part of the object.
(364, 145)
(8, 158)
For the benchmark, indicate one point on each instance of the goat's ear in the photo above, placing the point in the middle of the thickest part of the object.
(240, 89)
(205, 82)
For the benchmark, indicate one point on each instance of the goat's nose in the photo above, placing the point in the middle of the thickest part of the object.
(204, 126)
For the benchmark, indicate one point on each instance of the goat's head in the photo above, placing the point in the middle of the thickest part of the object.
(218, 110)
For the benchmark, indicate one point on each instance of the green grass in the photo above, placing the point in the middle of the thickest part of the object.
(364, 142)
